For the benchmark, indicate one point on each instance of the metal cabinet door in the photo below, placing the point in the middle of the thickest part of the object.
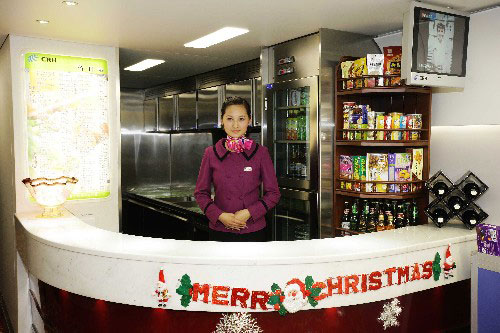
(150, 107)
(186, 111)
(241, 89)
(166, 108)
(208, 107)
(257, 102)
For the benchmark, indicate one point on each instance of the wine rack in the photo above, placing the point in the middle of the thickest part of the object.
(455, 199)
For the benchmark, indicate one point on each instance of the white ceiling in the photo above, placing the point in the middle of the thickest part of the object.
(159, 28)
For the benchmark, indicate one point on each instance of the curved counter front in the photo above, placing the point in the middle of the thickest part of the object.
(276, 277)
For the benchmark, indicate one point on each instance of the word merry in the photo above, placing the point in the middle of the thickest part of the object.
(222, 295)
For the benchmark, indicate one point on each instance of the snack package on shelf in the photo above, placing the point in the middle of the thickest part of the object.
(417, 167)
(396, 124)
(375, 66)
(392, 65)
(380, 124)
(347, 115)
(346, 170)
(377, 170)
(356, 160)
(402, 171)
(358, 70)
(370, 135)
(345, 67)
(391, 160)
(362, 172)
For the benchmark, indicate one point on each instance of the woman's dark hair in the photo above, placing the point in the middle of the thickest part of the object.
(235, 101)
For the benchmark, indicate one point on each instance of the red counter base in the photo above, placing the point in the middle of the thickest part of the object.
(442, 309)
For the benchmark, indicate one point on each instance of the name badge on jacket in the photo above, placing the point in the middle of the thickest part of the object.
(247, 169)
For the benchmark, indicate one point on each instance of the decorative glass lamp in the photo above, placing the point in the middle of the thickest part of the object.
(50, 193)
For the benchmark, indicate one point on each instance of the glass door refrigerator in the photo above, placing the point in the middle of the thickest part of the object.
(292, 111)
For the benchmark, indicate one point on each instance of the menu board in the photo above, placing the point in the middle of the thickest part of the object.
(67, 101)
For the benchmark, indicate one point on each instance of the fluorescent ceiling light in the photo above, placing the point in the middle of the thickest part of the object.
(43, 21)
(145, 64)
(216, 37)
(70, 3)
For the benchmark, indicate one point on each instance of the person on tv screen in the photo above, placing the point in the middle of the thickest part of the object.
(440, 44)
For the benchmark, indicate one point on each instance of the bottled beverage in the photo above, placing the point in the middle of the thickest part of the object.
(303, 161)
(390, 222)
(471, 190)
(439, 188)
(354, 218)
(371, 224)
(470, 217)
(304, 96)
(381, 221)
(414, 213)
(293, 125)
(293, 161)
(364, 216)
(345, 216)
(455, 203)
(399, 217)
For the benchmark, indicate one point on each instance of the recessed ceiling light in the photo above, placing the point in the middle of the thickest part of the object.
(145, 64)
(43, 21)
(216, 37)
(70, 3)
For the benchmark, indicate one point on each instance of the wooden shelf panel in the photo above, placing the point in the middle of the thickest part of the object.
(378, 195)
(385, 90)
(383, 143)
(381, 181)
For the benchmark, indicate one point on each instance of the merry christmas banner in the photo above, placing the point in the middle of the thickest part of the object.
(288, 289)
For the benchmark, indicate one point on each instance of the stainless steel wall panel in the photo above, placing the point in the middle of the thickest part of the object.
(186, 111)
(153, 159)
(166, 111)
(187, 152)
(207, 107)
(150, 114)
(131, 110)
(257, 102)
(305, 51)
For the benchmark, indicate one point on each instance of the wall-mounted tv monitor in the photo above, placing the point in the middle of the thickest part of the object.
(434, 46)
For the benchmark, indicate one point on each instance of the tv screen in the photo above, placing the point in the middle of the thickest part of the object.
(439, 42)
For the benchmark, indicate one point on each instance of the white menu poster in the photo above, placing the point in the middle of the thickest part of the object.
(68, 130)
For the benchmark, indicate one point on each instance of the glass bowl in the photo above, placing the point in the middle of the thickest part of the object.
(50, 193)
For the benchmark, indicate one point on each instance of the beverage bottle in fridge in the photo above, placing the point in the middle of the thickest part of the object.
(303, 161)
(293, 125)
(292, 161)
(304, 96)
(344, 224)
(288, 126)
(363, 220)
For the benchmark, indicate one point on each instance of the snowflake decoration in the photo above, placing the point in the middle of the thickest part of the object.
(390, 313)
(237, 323)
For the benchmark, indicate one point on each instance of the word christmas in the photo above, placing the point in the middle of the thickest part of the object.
(297, 294)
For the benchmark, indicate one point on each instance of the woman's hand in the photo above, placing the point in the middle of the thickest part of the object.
(231, 221)
(243, 215)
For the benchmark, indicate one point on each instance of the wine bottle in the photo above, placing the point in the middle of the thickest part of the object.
(363, 217)
(471, 190)
(390, 222)
(414, 213)
(371, 225)
(455, 203)
(439, 188)
(354, 218)
(345, 216)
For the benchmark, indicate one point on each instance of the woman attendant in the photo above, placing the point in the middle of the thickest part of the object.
(236, 166)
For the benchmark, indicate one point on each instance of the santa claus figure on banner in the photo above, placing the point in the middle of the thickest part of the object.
(449, 264)
(295, 296)
(161, 291)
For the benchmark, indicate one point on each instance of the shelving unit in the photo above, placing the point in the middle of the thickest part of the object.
(403, 99)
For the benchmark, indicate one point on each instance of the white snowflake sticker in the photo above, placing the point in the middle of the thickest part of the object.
(237, 323)
(390, 313)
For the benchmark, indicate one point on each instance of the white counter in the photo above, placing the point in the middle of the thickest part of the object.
(72, 255)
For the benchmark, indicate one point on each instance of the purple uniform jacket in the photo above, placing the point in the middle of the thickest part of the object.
(236, 179)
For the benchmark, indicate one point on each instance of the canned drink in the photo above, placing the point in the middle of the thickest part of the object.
(387, 125)
(415, 135)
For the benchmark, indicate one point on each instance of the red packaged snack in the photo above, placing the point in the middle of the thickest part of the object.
(392, 64)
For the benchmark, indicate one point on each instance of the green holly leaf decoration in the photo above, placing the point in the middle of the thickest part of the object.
(186, 281)
(185, 300)
(282, 311)
(315, 292)
(275, 287)
(275, 299)
(309, 282)
(436, 266)
(312, 301)
(183, 290)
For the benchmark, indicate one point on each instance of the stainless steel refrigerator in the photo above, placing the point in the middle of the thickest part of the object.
(298, 126)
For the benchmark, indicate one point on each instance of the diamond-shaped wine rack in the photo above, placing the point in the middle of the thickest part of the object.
(455, 199)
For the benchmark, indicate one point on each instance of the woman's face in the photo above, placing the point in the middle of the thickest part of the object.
(235, 121)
